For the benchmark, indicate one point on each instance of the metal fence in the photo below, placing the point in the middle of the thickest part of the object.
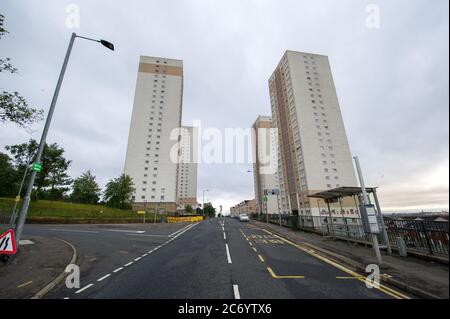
(420, 235)
(429, 237)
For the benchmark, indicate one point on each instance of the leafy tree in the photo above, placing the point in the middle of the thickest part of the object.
(13, 107)
(119, 192)
(188, 209)
(85, 189)
(8, 177)
(209, 210)
(52, 181)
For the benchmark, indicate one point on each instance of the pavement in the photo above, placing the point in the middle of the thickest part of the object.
(212, 259)
(40, 261)
(424, 278)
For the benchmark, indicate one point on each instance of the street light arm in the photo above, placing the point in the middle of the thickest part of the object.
(105, 43)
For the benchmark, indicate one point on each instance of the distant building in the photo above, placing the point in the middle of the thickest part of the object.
(244, 207)
(314, 153)
(265, 145)
(187, 170)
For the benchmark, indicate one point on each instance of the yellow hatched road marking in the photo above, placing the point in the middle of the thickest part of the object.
(389, 291)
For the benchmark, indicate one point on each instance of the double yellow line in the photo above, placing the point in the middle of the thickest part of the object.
(389, 291)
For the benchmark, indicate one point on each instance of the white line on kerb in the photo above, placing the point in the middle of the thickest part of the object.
(84, 288)
(228, 253)
(126, 265)
(236, 292)
(118, 269)
(104, 277)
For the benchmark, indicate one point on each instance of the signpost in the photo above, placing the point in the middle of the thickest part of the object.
(274, 191)
(37, 167)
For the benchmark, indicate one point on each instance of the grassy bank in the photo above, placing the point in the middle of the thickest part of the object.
(44, 211)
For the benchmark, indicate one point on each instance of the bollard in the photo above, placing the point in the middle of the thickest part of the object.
(401, 247)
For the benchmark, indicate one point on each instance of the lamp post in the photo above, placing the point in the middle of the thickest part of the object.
(203, 205)
(26, 200)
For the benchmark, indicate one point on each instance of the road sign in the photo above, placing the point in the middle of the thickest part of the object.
(141, 212)
(8, 243)
(17, 199)
(37, 167)
(369, 219)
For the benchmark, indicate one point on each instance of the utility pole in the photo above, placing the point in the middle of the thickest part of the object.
(16, 201)
(145, 209)
(203, 205)
(365, 198)
(156, 211)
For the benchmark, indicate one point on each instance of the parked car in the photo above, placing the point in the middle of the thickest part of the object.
(244, 218)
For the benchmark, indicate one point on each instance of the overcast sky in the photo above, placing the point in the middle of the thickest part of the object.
(392, 81)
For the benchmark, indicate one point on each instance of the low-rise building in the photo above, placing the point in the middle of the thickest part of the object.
(244, 207)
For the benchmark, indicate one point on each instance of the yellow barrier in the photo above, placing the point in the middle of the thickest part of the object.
(189, 219)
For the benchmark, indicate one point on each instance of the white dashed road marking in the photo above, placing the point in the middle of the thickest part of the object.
(104, 277)
(84, 288)
(236, 292)
(228, 253)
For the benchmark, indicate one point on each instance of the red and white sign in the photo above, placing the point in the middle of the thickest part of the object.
(8, 243)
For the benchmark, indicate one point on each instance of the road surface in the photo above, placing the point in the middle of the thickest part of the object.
(216, 258)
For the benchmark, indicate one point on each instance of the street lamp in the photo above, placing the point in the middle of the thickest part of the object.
(203, 205)
(26, 200)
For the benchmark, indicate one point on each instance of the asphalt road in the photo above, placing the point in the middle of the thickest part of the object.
(222, 259)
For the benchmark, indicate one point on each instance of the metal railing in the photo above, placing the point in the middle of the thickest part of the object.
(428, 237)
(420, 235)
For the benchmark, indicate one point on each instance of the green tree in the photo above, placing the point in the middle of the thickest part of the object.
(9, 181)
(119, 192)
(85, 189)
(209, 210)
(13, 107)
(188, 209)
(52, 182)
